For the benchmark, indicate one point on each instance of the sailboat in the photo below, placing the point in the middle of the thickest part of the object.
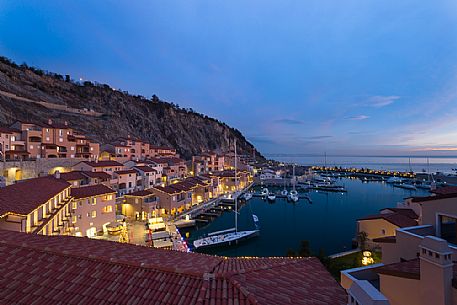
(293, 195)
(284, 192)
(230, 236)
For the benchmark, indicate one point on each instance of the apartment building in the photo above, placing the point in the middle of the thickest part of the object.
(40, 205)
(93, 207)
(207, 163)
(417, 261)
(141, 205)
(26, 141)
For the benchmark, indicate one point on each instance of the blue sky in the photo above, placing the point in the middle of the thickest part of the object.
(345, 77)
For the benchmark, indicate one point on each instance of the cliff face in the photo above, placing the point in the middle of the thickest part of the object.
(29, 94)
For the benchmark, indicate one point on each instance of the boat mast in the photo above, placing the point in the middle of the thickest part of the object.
(236, 190)
(293, 176)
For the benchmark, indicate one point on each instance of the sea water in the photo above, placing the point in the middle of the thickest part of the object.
(328, 223)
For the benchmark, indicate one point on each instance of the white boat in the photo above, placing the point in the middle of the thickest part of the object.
(293, 193)
(264, 192)
(393, 180)
(271, 197)
(230, 236)
(247, 196)
(223, 239)
(407, 186)
(293, 198)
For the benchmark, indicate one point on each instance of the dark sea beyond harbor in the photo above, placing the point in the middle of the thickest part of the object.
(328, 223)
(395, 163)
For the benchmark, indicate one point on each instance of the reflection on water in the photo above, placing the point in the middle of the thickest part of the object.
(328, 223)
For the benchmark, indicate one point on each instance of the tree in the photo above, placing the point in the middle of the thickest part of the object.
(67, 78)
(362, 238)
(304, 250)
(291, 253)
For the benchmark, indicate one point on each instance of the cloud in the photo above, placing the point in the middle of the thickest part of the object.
(358, 117)
(289, 122)
(318, 137)
(261, 139)
(381, 101)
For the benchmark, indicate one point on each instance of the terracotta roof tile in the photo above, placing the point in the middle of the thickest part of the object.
(397, 219)
(51, 269)
(100, 175)
(146, 169)
(91, 190)
(103, 163)
(72, 176)
(25, 196)
(126, 171)
(142, 193)
(406, 212)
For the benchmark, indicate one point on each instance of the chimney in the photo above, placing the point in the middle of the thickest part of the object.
(57, 174)
(49, 121)
(435, 271)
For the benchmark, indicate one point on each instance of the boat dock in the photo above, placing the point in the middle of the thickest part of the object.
(206, 212)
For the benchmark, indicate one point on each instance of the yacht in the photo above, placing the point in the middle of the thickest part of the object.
(406, 185)
(292, 197)
(230, 236)
(247, 196)
(264, 192)
(284, 192)
(271, 197)
(393, 180)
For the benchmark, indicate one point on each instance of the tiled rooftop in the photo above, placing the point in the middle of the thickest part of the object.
(91, 190)
(142, 193)
(103, 163)
(398, 219)
(25, 196)
(51, 269)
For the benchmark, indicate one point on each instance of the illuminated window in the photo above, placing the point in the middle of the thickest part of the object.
(74, 219)
(75, 205)
(92, 214)
(108, 209)
(93, 201)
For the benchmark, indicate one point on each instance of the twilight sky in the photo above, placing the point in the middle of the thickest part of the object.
(345, 77)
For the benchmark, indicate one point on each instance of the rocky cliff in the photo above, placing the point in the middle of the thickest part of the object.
(103, 113)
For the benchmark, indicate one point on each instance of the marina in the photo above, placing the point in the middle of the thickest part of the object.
(329, 223)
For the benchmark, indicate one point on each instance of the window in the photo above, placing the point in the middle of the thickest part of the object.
(92, 214)
(60, 132)
(383, 232)
(31, 146)
(74, 219)
(13, 138)
(60, 140)
(93, 201)
(108, 209)
(72, 148)
(75, 204)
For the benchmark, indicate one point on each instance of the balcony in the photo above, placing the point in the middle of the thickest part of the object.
(35, 139)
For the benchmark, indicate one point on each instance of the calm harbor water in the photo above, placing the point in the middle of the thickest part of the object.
(327, 223)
